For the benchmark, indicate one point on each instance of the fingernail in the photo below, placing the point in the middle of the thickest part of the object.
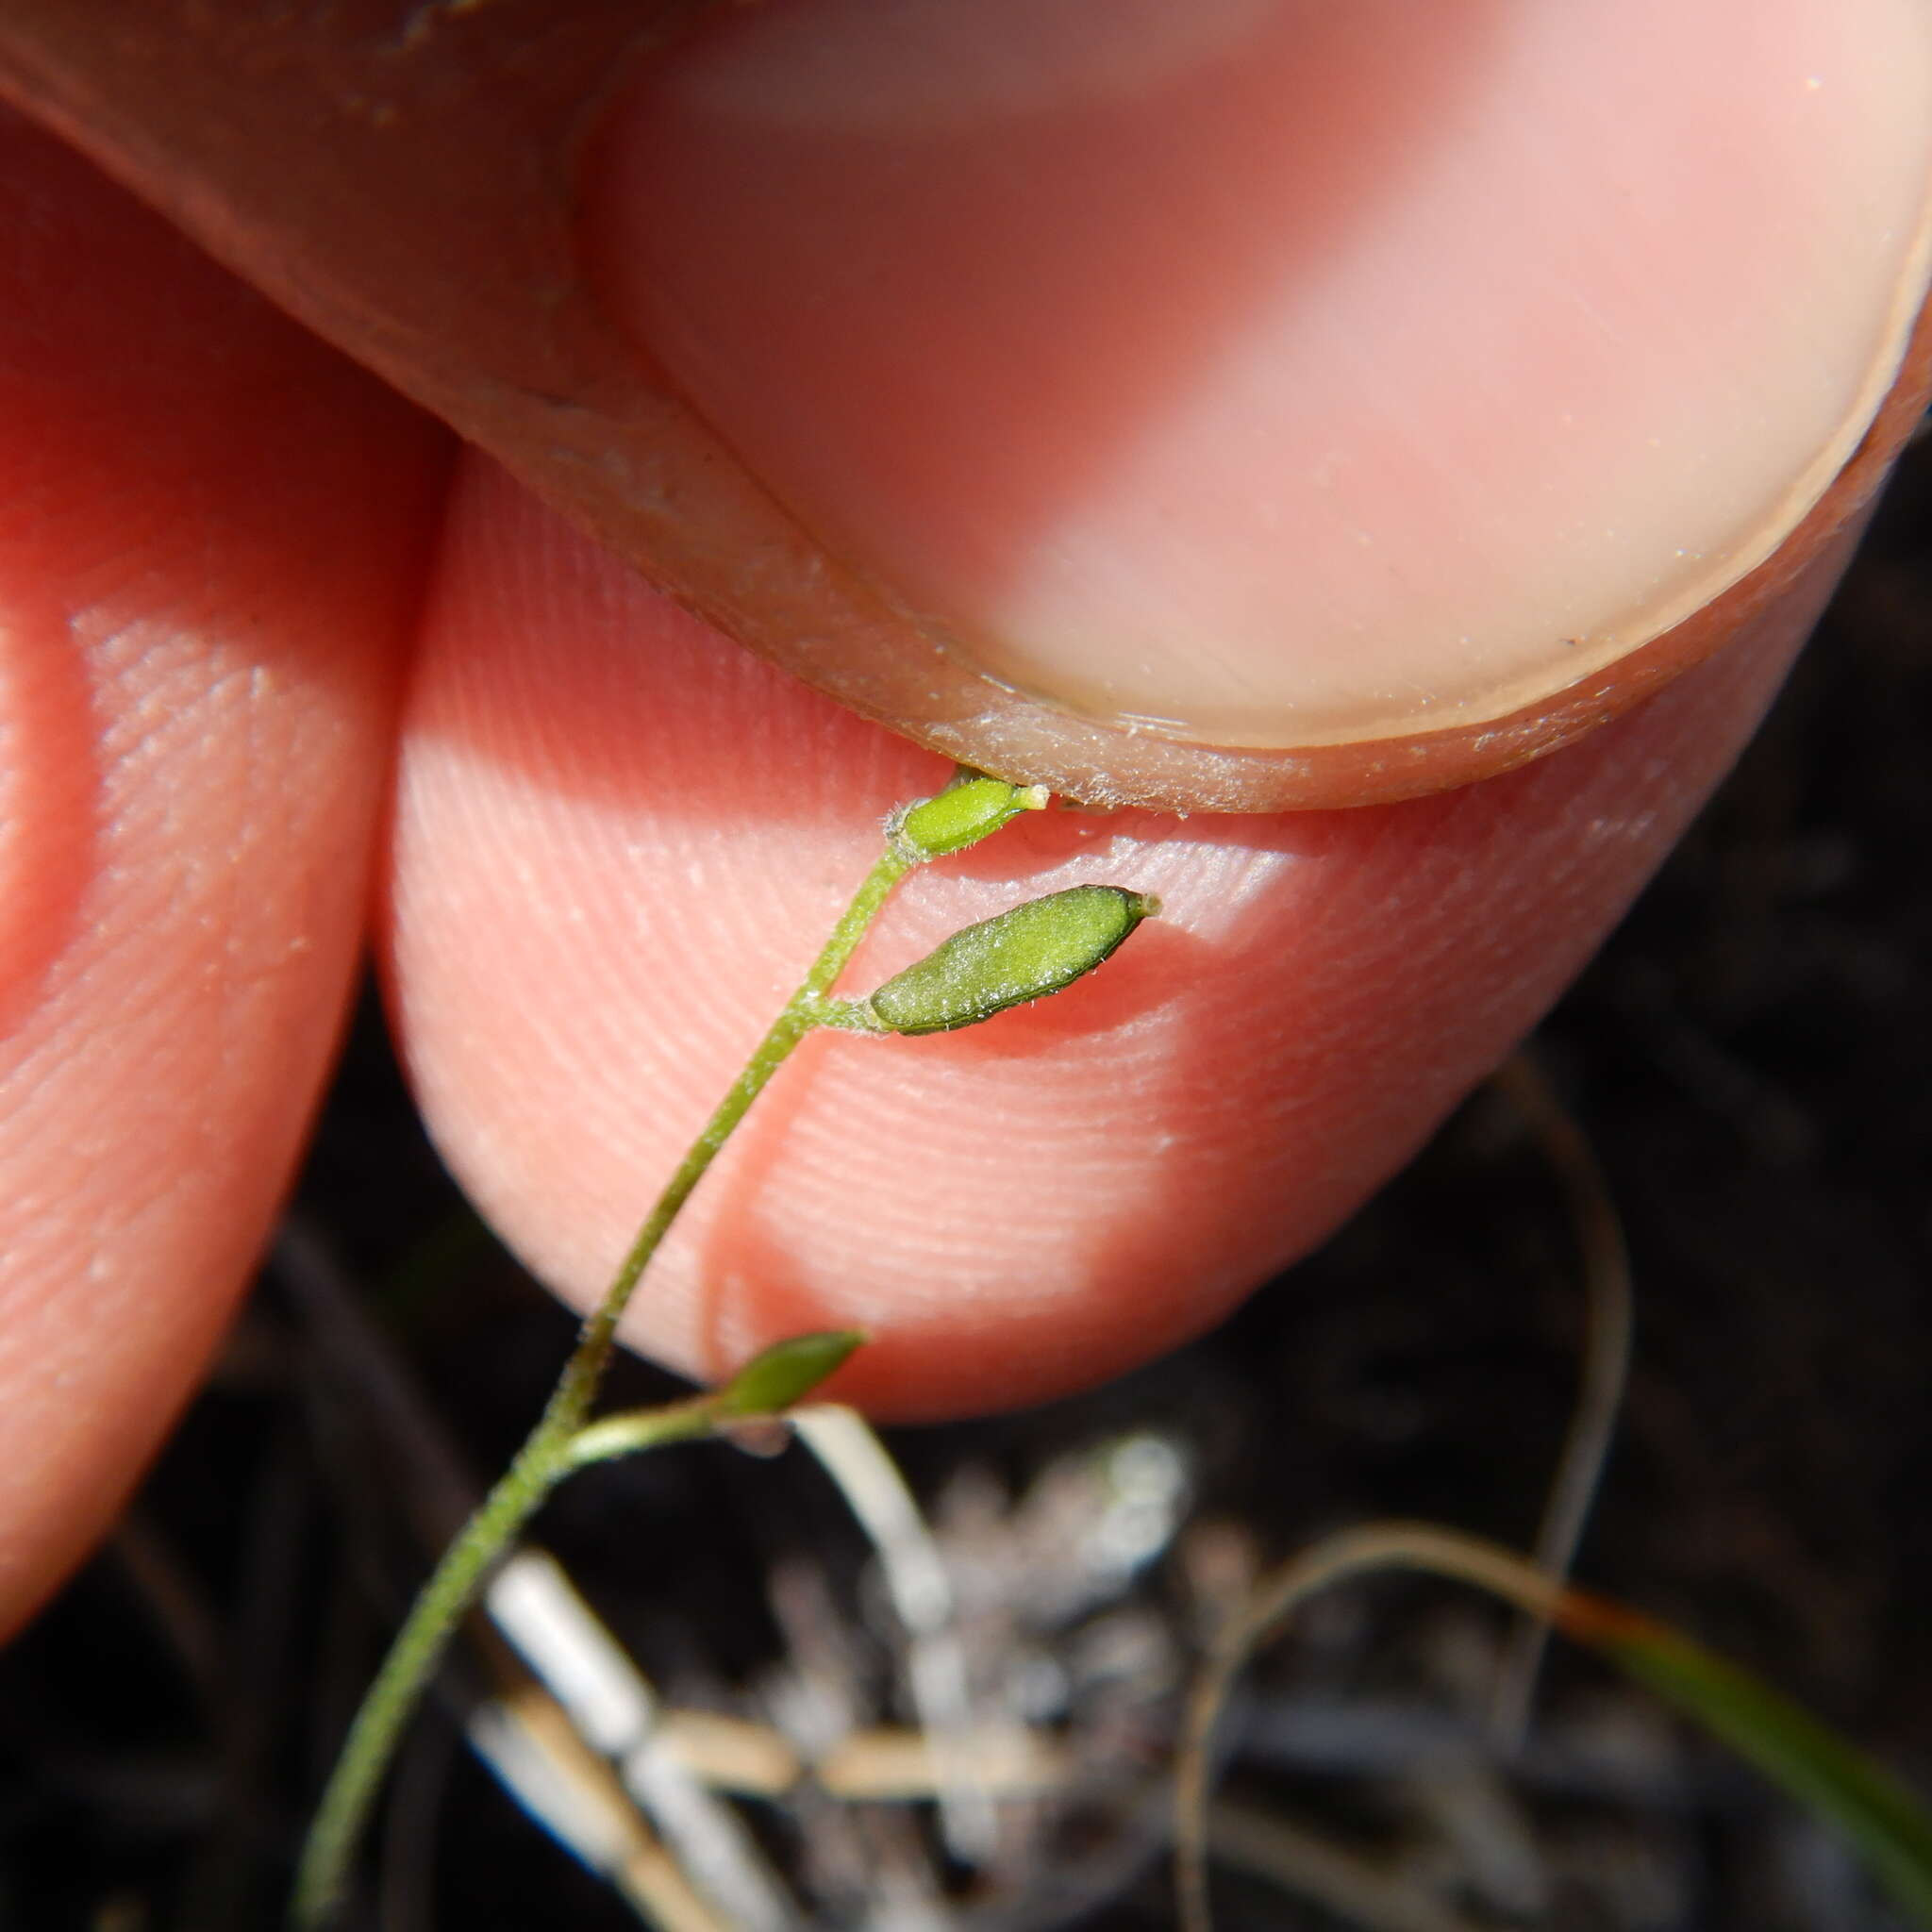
(1281, 374)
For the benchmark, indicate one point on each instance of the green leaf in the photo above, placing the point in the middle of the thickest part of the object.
(786, 1372)
(1886, 1820)
(1019, 955)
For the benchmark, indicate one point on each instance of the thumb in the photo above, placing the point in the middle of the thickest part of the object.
(1241, 405)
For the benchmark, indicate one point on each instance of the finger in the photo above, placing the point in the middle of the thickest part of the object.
(211, 532)
(1252, 403)
(619, 841)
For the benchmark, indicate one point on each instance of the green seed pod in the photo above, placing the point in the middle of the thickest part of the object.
(969, 809)
(786, 1372)
(1019, 955)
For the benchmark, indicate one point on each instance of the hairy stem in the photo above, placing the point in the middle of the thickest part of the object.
(545, 1457)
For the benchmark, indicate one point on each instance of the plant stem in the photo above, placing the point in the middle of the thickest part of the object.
(545, 1457)
(611, 1436)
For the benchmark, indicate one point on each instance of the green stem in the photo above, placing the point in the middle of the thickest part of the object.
(611, 1436)
(546, 1456)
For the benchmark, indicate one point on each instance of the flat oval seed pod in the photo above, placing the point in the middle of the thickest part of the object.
(1022, 955)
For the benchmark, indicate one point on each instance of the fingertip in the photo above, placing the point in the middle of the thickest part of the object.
(1286, 377)
(620, 841)
(205, 578)
(1237, 407)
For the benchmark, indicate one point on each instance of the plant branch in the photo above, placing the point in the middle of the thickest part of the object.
(546, 1456)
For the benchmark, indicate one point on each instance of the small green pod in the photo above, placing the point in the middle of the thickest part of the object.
(1019, 955)
(786, 1372)
(972, 807)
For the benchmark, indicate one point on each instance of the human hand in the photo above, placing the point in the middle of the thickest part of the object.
(1505, 285)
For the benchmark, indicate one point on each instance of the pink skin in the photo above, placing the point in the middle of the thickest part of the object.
(616, 839)
(1347, 315)
(1012, 1210)
(214, 533)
